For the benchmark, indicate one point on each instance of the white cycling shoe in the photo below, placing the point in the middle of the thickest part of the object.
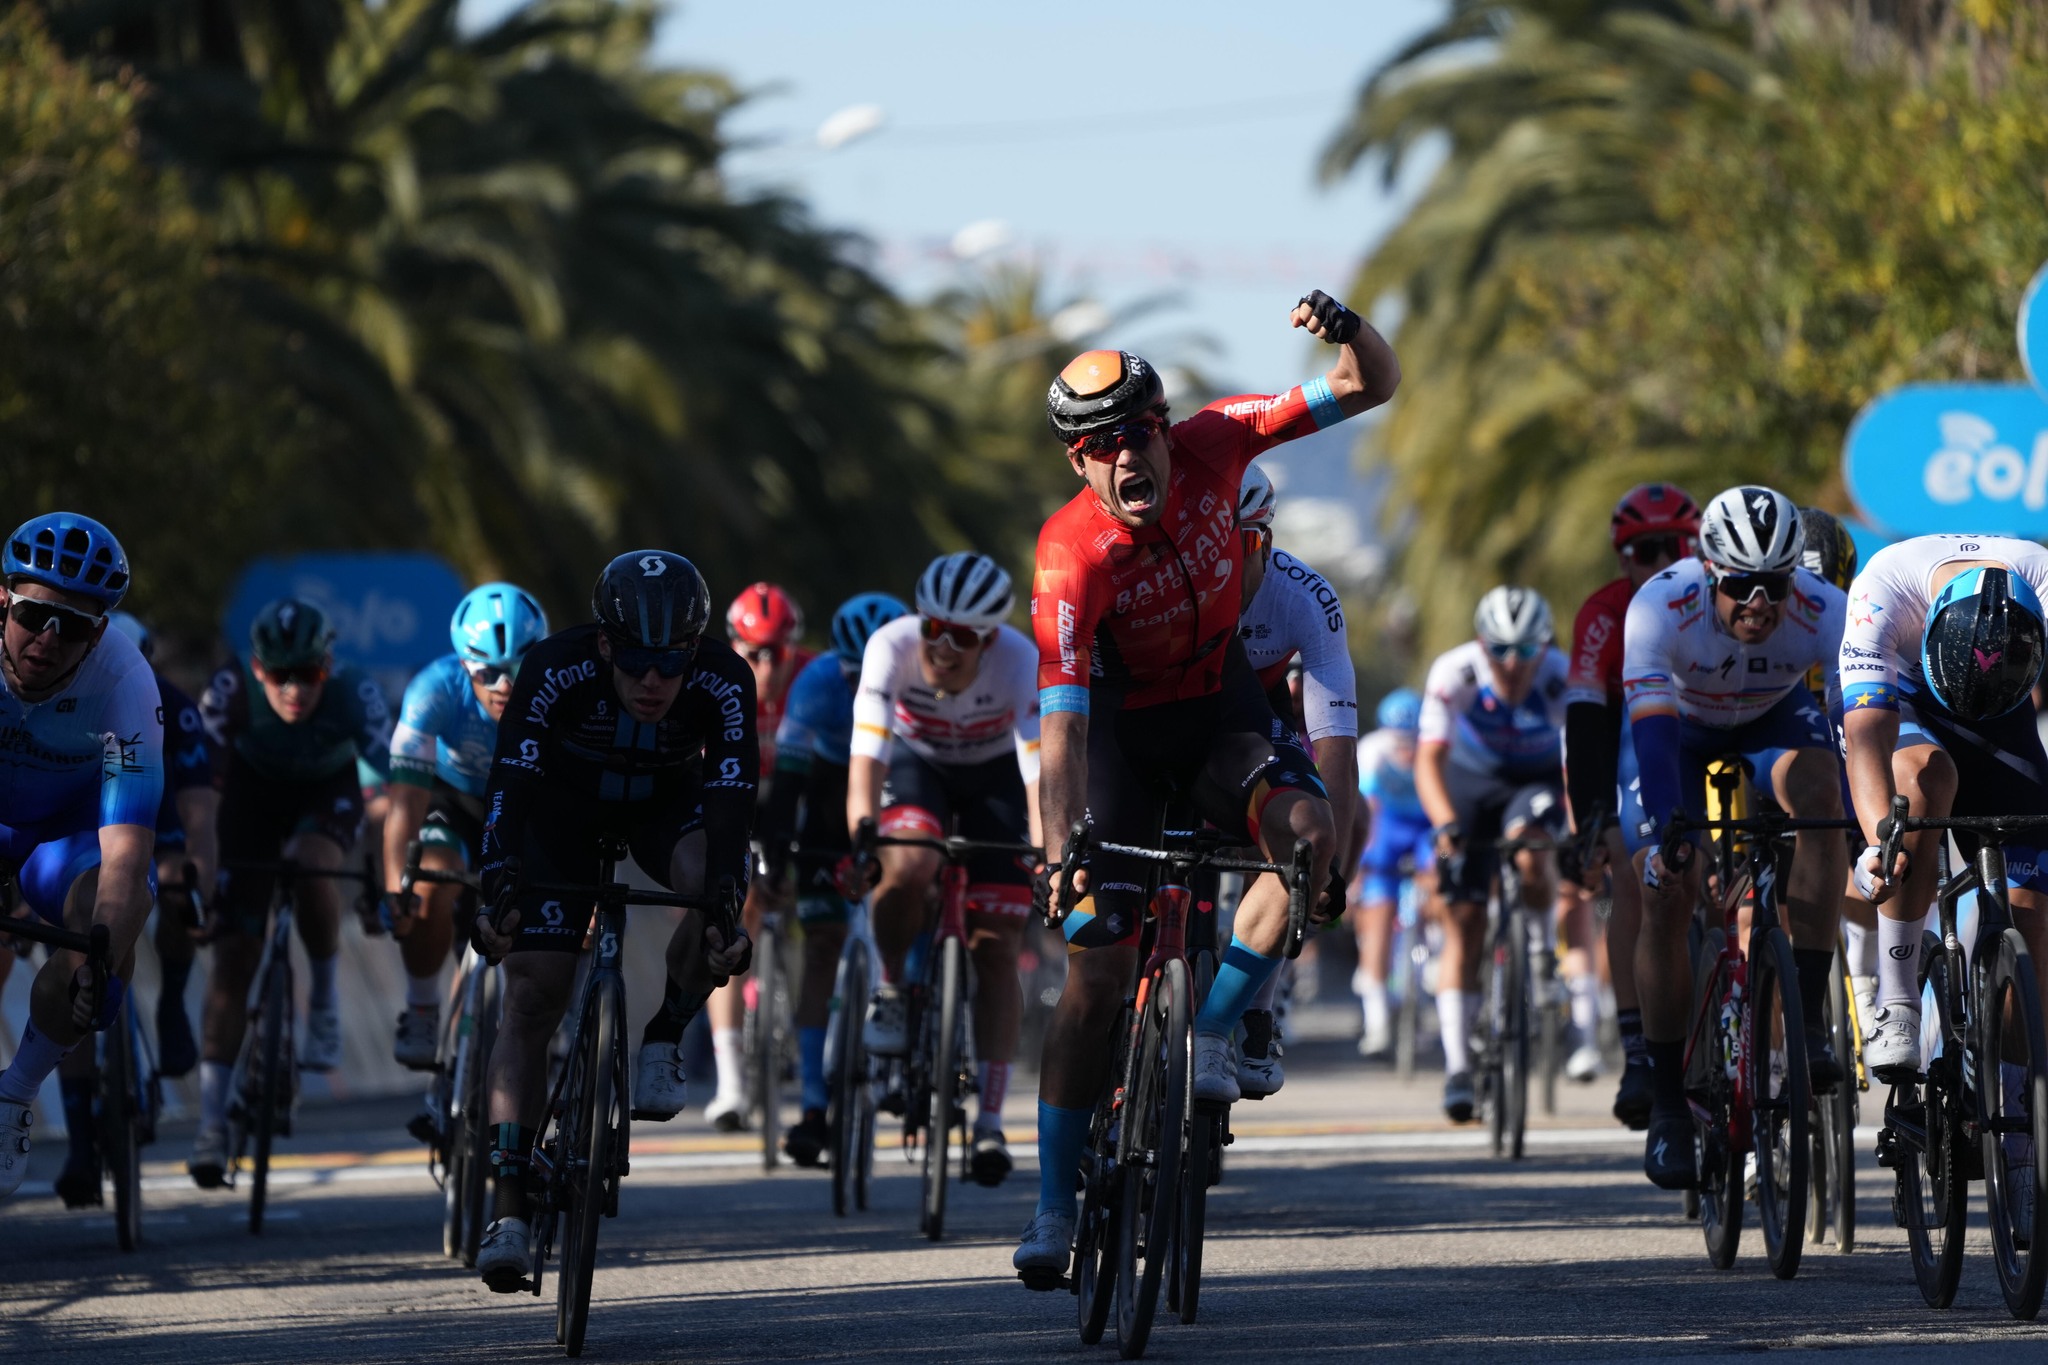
(321, 1050)
(1215, 1072)
(660, 1091)
(418, 1044)
(14, 1125)
(505, 1255)
(727, 1111)
(887, 1028)
(1583, 1066)
(1041, 1259)
(1893, 1050)
(208, 1164)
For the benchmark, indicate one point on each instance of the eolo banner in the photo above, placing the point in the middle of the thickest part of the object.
(1959, 457)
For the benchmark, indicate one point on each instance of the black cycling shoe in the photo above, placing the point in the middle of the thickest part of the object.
(805, 1143)
(177, 1051)
(1632, 1101)
(1668, 1153)
(78, 1184)
(1823, 1068)
(989, 1165)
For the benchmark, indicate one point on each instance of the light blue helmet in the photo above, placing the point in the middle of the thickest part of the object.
(1401, 709)
(496, 624)
(131, 626)
(857, 619)
(70, 553)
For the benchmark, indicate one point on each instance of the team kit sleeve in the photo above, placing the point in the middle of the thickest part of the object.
(732, 769)
(873, 700)
(191, 758)
(1868, 664)
(222, 705)
(1064, 614)
(1329, 684)
(422, 717)
(518, 764)
(1231, 432)
(1440, 699)
(1019, 661)
(372, 721)
(1652, 700)
(132, 751)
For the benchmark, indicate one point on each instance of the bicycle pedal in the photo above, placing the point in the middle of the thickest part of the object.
(1044, 1281)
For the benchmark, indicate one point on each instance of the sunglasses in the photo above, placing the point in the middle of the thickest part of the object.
(760, 654)
(1743, 587)
(635, 660)
(960, 637)
(1521, 651)
(36, 617)
(491, 676)
(305, 675)
(1254, 539)
(1133, 436)
(1654, 549)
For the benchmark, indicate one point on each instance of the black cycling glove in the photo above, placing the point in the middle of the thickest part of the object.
(1340, 324)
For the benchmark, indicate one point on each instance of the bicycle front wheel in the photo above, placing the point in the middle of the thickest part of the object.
(472, 1139)
(1514, 1038)
(846, 1070)
(1155, 1138)
(273, 1086)
(1718, 1201)
(1834, 1196)
(120, 1125)
(1932, 1195)
(2012, 1078)
(764, 1044)
(1203, 1168)
(1779, 1098)
(587, 1155)
(947, 1033)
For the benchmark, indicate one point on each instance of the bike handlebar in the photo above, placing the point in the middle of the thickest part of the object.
(955, 848)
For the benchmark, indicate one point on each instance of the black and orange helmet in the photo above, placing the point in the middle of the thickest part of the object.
(1099, 390)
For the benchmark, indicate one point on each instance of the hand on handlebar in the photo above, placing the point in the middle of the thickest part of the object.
(724, 960)
(1450, 841)
(87, 985)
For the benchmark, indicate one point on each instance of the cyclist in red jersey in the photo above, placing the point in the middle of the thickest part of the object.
(1147, 697)
(764, 623)
(1654, 526)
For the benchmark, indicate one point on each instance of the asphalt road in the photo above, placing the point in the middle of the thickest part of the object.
(1353, 1224)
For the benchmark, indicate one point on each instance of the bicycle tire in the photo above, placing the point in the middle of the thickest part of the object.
(1778, 1115)
(764, 1050)
(948, 1006)
(120, 1122)
(1838, 1121)
(1156, 1116)
(1095, 1234)
(1932, 1192)
(473, 1138)
(845, 1072)
(1201, 1169)
(273, 1026)
(450, 1077)
(1514, 1044)
(1409, 1020)
(1717, 1204)
(589, 1168)
(2008, 972)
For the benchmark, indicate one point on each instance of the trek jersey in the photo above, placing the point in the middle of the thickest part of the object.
(352, 721)
(1297, 612)
(769, 707)
(443, 731)
(1486, 735)
(88, 757)
(1679, 661)
(190, 757)
(1888, 605)
(1596, 646)
(1387, 782)
(1144, 614)
(997, 713)
(566, 733)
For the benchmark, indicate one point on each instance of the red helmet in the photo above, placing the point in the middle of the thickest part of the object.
(1655, 508)
(764, 616)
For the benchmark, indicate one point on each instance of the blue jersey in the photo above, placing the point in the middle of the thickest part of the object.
(90, 756)
(817, 717)
(443, 731)
(1390, 783)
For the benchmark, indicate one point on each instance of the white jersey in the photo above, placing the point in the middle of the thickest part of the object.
(1678, 659)
(996, 714)
(1461, 709)
(1888, 605)
(1297, 612)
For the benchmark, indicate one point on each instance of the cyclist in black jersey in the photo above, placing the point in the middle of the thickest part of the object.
(635, 725)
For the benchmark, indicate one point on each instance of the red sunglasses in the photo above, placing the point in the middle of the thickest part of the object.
(1134, 436)
(960, 637)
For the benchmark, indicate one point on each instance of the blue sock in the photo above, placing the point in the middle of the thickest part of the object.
(1238, 979)
(33, 1061)
(810, 1063)
(320, 973)
(1061, 1135)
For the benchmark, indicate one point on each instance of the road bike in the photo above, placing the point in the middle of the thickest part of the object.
(1979, 1109)
(1146, 1162)
(1518, 1002)
(849, 1070)
(1832, 1205)
(581, 1152)
(263, 1087)
(1418, 941)
(770, 1042)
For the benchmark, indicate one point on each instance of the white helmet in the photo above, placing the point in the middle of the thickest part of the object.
(1255, 498)
(1513, 616)
(1750, 529)
(965, 589)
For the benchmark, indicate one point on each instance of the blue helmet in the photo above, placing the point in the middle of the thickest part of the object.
(132, 627)
(1985, 639)
(496, 624)
(857, 619)
(70, 553)
(1401, 709)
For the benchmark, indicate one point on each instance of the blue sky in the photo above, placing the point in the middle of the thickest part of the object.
(1137, 149)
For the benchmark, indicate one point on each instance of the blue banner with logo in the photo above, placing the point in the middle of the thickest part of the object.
(1952, 457)
(390, 610)
(2033, 328)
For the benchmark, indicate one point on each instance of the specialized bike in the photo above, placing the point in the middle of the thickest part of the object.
(1145, 1164)
(1979, 1110)
(582, 1150)
(263, 1088)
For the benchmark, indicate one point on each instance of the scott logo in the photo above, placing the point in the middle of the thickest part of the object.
(654, 566)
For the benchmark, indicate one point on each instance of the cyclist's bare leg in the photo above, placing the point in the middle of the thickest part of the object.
(537, 989)
(429, 935)
(1074, 1068)
(1624, 921)
(1464, 944)
(900, 903)
(993, 940)
(1261, 922)
(728, 1010)
(689, 975)
(822, 943)
(227, 995)
(1375, 931)
(1809, 786)
(1663, 957)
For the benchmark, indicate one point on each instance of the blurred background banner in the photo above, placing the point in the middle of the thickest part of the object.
(390, 609)
(1952, 457)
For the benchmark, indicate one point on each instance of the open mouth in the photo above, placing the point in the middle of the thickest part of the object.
(1137, 492)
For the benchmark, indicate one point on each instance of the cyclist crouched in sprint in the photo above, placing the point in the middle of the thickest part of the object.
(293, 726)
(635, 725)
(945, 741)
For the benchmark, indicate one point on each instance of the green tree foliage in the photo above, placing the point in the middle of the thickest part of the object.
(1669, 244)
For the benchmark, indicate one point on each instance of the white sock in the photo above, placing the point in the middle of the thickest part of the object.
(320, 973)
(1450, 1020)
(1586, 1008)
(1374, 1000)
(729, 1048)
(995, 1084)
(1898, 962)
(423, 992)
(213, 1094)
(1859, 946)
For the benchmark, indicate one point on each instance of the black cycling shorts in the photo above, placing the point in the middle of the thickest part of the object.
(821, 829)
(559, 844)
(1224, 756)
(259, 814)
(1488, 805)
(974, 800)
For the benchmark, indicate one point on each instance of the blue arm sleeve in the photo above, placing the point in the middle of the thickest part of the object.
(1656, 739)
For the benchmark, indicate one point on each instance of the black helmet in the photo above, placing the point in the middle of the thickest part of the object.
(1984, 642)
(652, 599)
(1828, 552)
(290, 633)
(1099, 390)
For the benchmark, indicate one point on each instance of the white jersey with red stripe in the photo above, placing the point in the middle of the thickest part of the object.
(997, 713)
(1485, 734)
(1888, 605)
(1295, 612)
(1679, 660)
